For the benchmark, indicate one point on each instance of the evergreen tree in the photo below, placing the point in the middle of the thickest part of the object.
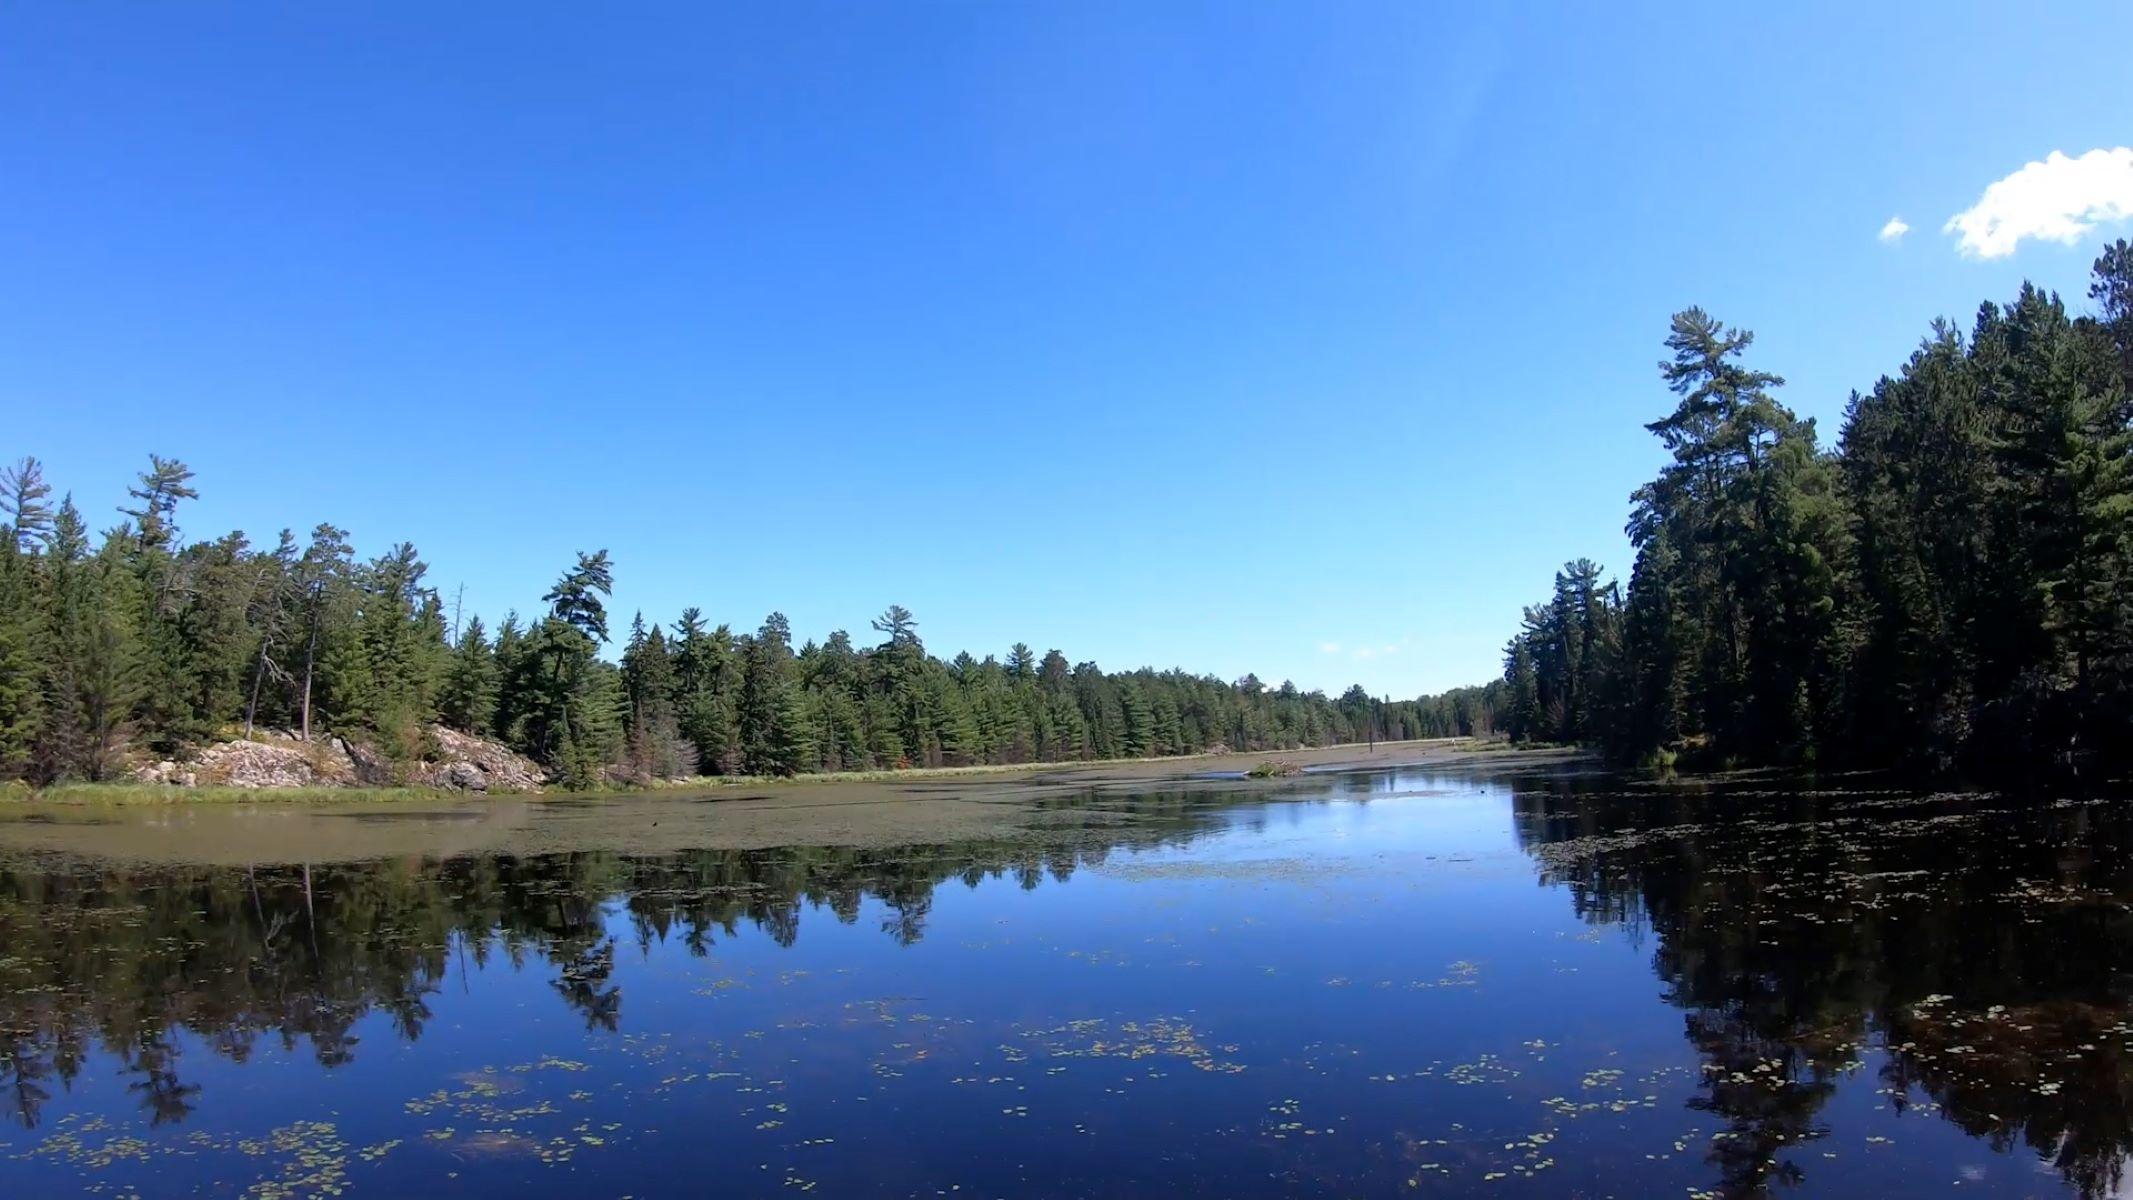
(154, 645)
(322, 585)
(573, 701)
(272, 617)
(1021, 663)
(773, 724)
(97, 660)
(22, 495)
(707, 690)
(22, 655)
(656, 747)
(468, 699)
(166, 482)
(1951, 586)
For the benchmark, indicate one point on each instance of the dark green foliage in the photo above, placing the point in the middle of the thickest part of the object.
(773, 723)
(149, 646)
(1955, 584)
(707, 684)
(272, 617)
(97, 667)
(22, 495)
(656, 749)
(22, 645)
(321, 578)
(467, 701)
(572, 714)
(1558, 671)
(517, 681)
(386, 668)
(593, 738)
(166, 482)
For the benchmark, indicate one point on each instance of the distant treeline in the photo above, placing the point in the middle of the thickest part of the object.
(1953, 585)
(138, 642)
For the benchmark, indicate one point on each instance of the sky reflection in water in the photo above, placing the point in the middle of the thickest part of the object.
(1400, 983)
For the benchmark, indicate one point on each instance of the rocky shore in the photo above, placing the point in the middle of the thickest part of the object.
(452, 761)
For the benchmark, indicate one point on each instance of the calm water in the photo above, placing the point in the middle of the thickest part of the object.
(1375, 984)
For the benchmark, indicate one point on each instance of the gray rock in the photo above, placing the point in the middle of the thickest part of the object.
(273, 759)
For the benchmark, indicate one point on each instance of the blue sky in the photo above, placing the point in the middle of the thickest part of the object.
(1299, 339)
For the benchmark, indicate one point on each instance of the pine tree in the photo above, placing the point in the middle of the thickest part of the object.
(22, 497)
(707, 685)
(593, 735)
(773, 723)
(467, 701)
(573, 717)
(518, 682)
(97, 667)
(1747, 490)
(1659, 646)
(166, 482)
(1021, 662)
(954, 726)
(656, 747)
(1916, 470)
(272, 619)
(322, 584)
(22, 658)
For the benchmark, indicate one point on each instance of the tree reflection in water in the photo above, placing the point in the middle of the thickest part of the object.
(1977, 950)
(1983, 943)
(125, 957)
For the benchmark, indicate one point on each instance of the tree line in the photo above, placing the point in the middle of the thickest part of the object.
(138, 642)
(1951, 585)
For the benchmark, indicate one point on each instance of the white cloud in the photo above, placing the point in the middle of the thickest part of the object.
(1895, 229)
(1329, 647)
(2057, 200)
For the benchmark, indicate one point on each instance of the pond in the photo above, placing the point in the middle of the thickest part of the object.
(1473, 981)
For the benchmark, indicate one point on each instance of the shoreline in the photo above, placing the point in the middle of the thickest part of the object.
(1040, 804)
(1160, 767)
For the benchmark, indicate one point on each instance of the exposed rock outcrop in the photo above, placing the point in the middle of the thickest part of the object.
(269, 760)
(473, 764)
(272, 759)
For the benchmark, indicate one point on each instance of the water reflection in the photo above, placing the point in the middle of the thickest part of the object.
(1981, 943)
(1959, 957)
(123, 958)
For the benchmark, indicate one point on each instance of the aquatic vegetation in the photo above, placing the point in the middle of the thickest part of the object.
(1339, 994)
